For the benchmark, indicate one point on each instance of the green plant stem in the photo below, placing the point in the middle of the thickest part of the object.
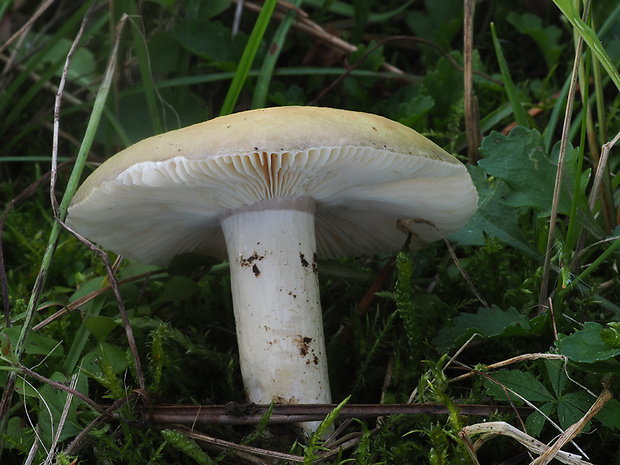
(248, 57)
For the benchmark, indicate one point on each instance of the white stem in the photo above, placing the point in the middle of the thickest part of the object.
(273, 270)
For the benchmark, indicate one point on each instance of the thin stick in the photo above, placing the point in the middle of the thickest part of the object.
(84, 300)
(382, 42)
(119, 302)
(237, 20)
(510, 361)
(57, 104)
(57, 385)
(106, 415)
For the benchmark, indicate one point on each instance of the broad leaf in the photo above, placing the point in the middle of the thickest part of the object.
(494, 218)
(489, 322)
(547, 38)
(521, 382)
(519, 160)
(587, 345)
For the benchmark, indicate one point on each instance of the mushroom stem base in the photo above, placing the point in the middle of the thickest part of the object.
(273, 268)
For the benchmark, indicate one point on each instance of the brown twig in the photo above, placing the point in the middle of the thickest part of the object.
(85, 299)
(119, 300)
(248, 414)
(57, 104)
(63, 387)
(510, 361)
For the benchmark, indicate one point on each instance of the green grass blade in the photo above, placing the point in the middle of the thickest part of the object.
(590, 38)
(511, 91)
(150, 91)
(558, 110)
(248, 57)
(572, 220)
(266, 72)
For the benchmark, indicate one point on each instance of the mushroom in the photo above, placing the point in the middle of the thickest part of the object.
(271, 190)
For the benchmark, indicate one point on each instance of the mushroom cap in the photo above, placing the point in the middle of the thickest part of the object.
(165, 195)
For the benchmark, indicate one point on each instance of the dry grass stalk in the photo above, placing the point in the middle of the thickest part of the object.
(472, 117)
(500, 428)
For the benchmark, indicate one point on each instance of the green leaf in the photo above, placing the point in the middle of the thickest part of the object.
(587, 345)
(188, 446)
(104, 364)
(511, 91)
(519, 160)
(547, 38)
(522, 382)
(249, 53)
(489, 322)
(177, 289)
(441, 23)
(536, 421)
(493, 218)
(590, 38)
(210, 40)
(16, 436)
(55, 399)
(611, 334)
(92, 309)
(315, 439)
(572, 407)
(112, 355)
(100, 326)
(444, 84)
(37, 344)
(409, 106)
(82, 63)
(557, 375)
